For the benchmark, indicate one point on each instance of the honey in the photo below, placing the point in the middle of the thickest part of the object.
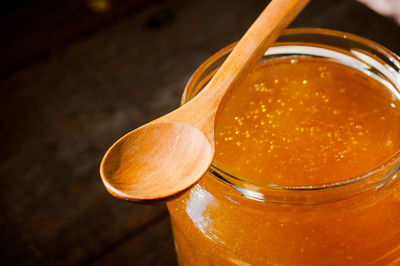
(307, 121)
(306, 164)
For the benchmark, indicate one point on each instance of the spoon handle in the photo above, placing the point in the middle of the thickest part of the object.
(264, 31)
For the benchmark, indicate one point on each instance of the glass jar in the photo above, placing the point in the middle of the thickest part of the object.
(225, 220)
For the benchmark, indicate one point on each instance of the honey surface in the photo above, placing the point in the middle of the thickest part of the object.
(307, 121)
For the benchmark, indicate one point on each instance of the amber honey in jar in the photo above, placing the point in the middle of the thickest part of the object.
(307, 159)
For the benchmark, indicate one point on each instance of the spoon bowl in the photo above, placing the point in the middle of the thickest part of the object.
(179, 154)
(163, 158)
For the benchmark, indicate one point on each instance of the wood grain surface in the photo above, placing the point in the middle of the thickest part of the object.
(60, 112)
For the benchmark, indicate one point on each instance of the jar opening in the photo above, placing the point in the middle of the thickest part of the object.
(356, 52)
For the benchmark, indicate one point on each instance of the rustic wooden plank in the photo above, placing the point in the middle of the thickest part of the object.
(30, 30)
(153, 246)
(59, 115)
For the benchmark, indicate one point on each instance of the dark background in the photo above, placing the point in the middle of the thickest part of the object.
(74, 77)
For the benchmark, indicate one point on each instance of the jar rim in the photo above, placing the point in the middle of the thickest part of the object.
(373, 178)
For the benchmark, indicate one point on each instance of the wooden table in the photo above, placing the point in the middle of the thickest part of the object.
(74, 78)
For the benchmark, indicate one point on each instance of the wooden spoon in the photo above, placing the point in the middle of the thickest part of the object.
(168, 155)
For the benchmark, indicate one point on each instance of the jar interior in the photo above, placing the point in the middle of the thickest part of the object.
(352, 51)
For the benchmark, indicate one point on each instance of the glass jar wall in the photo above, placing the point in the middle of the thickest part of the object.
(227, 220)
